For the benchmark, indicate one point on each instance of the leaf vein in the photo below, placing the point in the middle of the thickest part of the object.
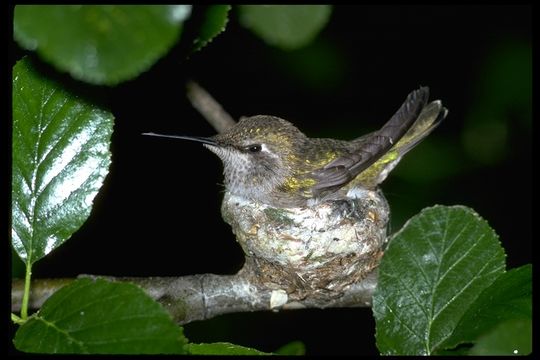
(78, 154)
(86, 306)
(403, 322)
(463, 256)
(408, 290)
(65, 131)
(473, 278)
(413, 257)
(431, 311)
(116, 320)
(65, 134)
(64, 333)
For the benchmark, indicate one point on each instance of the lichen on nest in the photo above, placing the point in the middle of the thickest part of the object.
(312, 251)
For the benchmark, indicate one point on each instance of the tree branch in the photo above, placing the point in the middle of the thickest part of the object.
(208, 107)
(200, 297)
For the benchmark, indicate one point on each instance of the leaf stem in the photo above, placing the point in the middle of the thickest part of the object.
(16, 319)
(26, 295)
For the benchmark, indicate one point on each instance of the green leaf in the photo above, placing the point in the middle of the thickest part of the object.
(508, 298)
(60, 158)
(100, 44)
(100, 317)
(214, 23)
(513, 337)
(292, 348)
(461, 350)
(285, 26)
(433, 270)
(221, 348)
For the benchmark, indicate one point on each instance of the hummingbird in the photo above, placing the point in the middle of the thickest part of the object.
(269, 160)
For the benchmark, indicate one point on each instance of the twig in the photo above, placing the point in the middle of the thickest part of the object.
(200, 297)
(208, 107)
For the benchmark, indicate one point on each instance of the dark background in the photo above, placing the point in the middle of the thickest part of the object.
(158, 213)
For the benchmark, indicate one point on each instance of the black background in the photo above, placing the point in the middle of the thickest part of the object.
(158, 213)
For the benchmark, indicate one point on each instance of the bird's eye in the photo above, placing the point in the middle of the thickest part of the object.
(254, 148)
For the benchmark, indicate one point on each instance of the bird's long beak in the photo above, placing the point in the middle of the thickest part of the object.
(204, 140)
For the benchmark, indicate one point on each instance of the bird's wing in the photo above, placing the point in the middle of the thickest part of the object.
(370, 148)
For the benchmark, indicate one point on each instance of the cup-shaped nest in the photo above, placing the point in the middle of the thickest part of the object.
(313, 251)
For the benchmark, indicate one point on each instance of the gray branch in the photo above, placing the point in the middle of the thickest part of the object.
(208, 107)
(200, 297)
